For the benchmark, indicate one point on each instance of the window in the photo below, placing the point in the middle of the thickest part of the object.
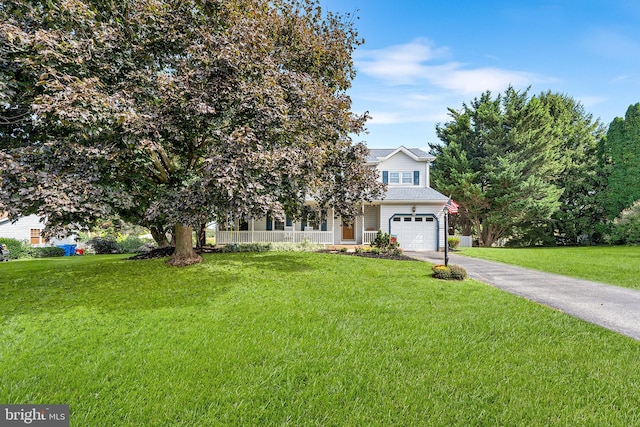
(278, 225)
(35, 236)
(418, 219)
(407, 219)
(401, 177)
(396, 219)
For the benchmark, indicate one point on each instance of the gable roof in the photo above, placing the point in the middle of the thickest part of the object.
(377, 155)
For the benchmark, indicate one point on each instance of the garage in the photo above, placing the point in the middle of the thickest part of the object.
(415, 233)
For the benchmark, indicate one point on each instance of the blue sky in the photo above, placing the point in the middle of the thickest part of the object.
(421, 57)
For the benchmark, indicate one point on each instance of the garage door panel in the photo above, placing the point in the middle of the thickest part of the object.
(415, 233)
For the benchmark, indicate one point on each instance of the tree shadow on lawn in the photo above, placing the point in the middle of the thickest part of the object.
(281, 262)
(120, 286)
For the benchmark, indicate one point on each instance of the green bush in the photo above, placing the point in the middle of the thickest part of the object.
(452, 272)
(454, 242)
(458, 272)
(246, 247)
(441, 272)
(383, 243)
(105, 245)
(47, 252)
(17, 249)
(132, 244)
(304, 246)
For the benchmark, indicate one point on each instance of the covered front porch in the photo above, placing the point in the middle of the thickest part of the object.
(362, 230)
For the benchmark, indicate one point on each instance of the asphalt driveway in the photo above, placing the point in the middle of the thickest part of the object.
(611, 307)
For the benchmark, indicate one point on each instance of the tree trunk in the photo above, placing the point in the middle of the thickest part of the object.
(202, 236)
(184, 253)
(159, 236)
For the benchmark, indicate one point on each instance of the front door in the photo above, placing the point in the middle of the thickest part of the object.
(348, 232)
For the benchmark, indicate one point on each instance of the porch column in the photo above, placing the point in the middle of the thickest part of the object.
(252, 228)
(333, 226)
(362, 229)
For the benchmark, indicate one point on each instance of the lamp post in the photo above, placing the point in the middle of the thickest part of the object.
(446, 235)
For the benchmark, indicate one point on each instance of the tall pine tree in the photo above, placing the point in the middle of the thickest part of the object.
(622, 151)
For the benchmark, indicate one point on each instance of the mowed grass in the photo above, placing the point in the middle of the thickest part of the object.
(300, 339)
(615, 265)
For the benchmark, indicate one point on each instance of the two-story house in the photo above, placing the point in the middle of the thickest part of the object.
(411, 211)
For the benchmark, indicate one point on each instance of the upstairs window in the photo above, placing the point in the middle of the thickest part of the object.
(401, 177)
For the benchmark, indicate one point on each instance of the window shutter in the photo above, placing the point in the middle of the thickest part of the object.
(269, 223)
(288, 221)
(385, 177)
(416, 177)
(323, 227)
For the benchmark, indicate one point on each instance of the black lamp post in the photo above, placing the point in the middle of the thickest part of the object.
(446, 235)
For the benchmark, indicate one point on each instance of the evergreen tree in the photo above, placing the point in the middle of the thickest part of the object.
(622, 153)
(499, 161)
(522, 168)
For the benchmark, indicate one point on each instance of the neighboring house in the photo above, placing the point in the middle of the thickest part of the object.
(411, 211)
(29, 228)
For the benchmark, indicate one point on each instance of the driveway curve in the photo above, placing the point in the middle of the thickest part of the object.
(611, 307)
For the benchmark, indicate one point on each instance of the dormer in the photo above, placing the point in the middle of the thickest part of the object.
(401, 167)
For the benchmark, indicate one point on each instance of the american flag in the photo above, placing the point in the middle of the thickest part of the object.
(453, 207)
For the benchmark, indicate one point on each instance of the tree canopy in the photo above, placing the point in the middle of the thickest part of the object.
(505, 160)
(172, 113)
(621, 150)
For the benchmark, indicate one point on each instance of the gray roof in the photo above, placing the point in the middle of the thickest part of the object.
(414, 194)
(376, 153)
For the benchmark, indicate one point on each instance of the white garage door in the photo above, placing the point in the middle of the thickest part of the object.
(417, 233)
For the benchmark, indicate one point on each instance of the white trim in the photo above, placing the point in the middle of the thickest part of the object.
(406, 151)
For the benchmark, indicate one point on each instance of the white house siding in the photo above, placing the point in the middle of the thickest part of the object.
(21, 230)
(371, 218)
(401, 162)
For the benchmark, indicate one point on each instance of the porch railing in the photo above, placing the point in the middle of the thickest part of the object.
(276, 236)
(368, 237)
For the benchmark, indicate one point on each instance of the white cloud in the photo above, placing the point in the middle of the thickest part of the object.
(414, 63)
(399, 64)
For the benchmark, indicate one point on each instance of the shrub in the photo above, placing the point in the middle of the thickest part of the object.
(17, 249)
(47, 252)
(452, 272)
(304, 246)
(458, 272)
(454, 242)
(246, 247)
(396, 252)
(133, 244)
(441, 272)
(383, 242)
(105, 245)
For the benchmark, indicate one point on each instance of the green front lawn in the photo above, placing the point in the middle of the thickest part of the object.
(300, 339)
(615, 265)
